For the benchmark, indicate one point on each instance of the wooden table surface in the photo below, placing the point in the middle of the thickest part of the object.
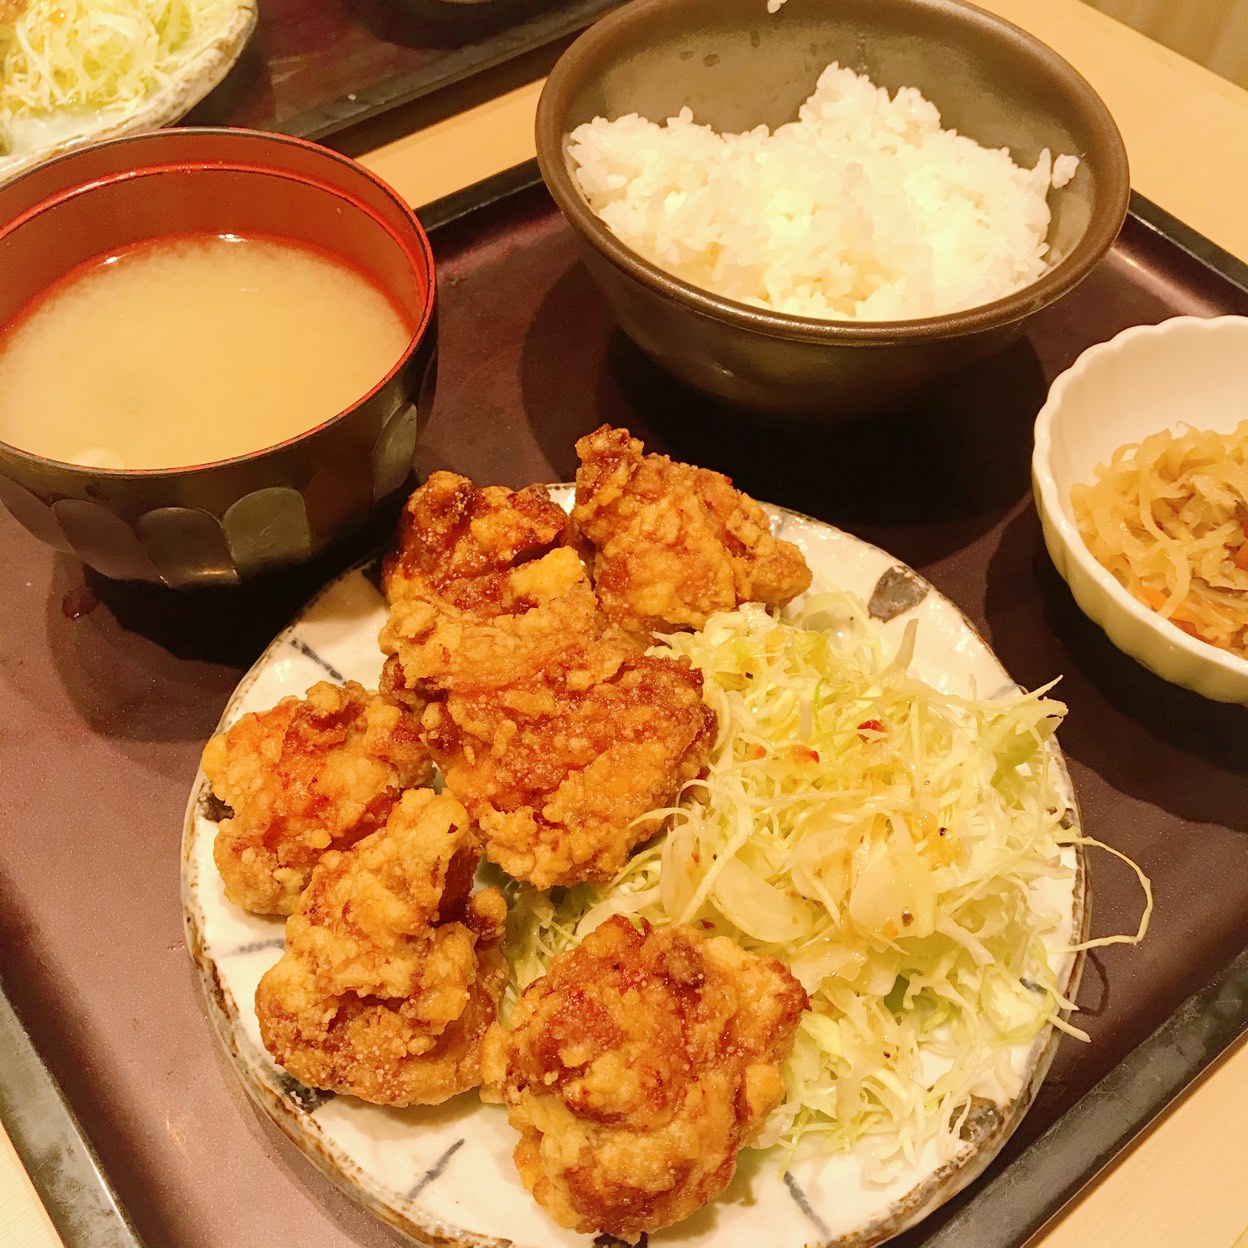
(1183, 1184)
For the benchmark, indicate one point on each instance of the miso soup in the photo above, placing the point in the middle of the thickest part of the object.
(192, 349)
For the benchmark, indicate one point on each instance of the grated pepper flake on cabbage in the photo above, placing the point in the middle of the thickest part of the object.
(908, 853)
(80, 55)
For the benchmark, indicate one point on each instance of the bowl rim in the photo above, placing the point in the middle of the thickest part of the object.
(1051, 505)
(422, 247)
(1070, 269)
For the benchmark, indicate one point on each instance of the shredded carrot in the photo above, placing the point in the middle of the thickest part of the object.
(1169, 518)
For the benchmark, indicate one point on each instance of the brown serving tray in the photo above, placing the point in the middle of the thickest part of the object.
(315, 67)
(109, 692)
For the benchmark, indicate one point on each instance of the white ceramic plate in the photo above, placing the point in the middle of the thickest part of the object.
(445, 1174)
(1187, 370)
(38, 138)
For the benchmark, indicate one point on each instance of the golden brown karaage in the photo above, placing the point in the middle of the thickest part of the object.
(502, 632)
(453, 530)
(549, 724)
(637, 1069)
(559, 779)
(307, 775)
(392, 971)
(673, 543)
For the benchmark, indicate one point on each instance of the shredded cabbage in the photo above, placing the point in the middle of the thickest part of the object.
(906, 852)
(86, 54)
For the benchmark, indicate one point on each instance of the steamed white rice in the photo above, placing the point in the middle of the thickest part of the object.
(862, 209)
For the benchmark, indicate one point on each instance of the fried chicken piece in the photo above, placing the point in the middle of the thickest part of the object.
(305, 776)
(392, 971)
(502, 632)
(549, 724)
(451, 530)
(637, 1069)
(559, 780)
(674, 543)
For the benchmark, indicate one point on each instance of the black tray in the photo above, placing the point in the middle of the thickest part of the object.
(110, 691)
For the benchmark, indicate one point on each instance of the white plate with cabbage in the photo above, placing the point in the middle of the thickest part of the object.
(886, 811)
(76, 71)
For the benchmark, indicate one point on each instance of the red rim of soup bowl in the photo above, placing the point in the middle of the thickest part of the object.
(416, 249)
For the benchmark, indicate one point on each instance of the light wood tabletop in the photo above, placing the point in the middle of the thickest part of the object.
(1182, 1185)
(25, 1222)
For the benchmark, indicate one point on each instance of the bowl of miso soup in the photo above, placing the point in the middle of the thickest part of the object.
(215, 351)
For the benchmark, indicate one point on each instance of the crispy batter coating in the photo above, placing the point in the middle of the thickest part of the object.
(451, 530)
(674, 543)
(504, 631)
(392, 971)
(550, 725)
(636, 1070)
(547, 720)
(559, 780)
(305, 776)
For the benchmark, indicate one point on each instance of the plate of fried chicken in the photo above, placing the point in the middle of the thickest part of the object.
(482, 713)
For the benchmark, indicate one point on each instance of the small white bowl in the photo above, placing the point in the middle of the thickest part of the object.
(1186, 371)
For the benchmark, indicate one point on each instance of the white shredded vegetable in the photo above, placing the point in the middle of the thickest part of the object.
(87, 54)
(887, 841)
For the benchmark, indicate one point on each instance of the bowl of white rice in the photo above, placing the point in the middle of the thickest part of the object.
(827, 206)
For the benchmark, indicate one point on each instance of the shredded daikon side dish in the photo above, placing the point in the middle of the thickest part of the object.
(1169, 518)
(85, 54)
(908, 853)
